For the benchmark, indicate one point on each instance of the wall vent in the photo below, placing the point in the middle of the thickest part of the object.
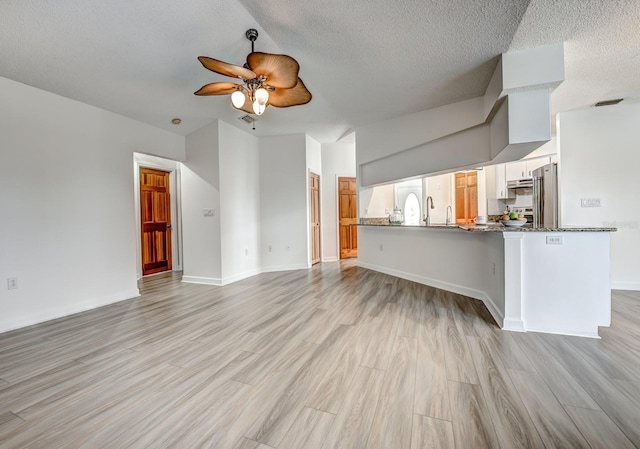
(608, 102)
(247, 119)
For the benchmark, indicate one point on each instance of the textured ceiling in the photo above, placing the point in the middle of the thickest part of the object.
(602, 48)
(363, 60)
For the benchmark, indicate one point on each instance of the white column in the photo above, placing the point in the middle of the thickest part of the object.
(513, 319)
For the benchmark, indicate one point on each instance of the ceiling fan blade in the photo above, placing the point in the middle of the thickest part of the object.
(281, 71)
(224, 68)
(283, 98)
(222, 88)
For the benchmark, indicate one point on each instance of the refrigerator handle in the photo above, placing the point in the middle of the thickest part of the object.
(538, 200)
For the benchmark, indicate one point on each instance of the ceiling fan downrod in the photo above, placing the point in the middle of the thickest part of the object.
(252, 35)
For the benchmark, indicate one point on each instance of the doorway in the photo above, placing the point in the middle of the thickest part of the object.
(314, 205)
(466, 197)
(347, 218)
(155, 220)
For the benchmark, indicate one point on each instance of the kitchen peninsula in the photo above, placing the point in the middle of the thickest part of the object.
(544, 280)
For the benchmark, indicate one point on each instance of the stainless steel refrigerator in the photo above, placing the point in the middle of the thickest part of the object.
(545, 196)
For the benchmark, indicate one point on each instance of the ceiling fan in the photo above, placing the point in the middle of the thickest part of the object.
(267, 79)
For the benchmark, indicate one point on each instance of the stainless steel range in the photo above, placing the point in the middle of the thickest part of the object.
(526, 211)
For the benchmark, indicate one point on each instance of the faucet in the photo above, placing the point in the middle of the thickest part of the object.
(448, 210)
(427, 220)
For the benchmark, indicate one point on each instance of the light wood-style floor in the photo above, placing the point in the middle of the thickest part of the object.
(333, 357)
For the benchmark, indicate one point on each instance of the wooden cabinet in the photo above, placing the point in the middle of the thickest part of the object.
(466, 197)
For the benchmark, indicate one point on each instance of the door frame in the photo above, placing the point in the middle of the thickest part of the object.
(337, 216)
(173, 168)
(309, 235)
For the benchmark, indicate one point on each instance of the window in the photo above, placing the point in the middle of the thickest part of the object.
(412, 210)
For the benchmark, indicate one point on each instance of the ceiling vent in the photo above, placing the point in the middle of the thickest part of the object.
(608, 102)
(247, 119)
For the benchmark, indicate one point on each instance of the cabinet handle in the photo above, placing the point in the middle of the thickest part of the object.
(523, 174)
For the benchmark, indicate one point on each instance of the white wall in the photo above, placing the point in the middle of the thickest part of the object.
(200, 185)
(338, 160)
(283, 202)
(67, 211)
(466, 134)
(599, 158)
(376, 201)
(379, 140)
(440, 189)
(313, 151)
(239, 203)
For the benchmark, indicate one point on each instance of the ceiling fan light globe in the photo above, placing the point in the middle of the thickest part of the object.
(262, 96)
(237, 98)
(258, 108)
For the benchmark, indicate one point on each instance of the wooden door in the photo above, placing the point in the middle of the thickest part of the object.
(347, 219)
(314, 191)
(155, 215)
(466, 197)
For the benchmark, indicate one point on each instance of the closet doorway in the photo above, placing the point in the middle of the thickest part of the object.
(155, 220)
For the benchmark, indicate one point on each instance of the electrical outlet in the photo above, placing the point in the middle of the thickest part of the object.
(209, 212)
(590, 202)
(554, 240)
(12, 283)
(270, 248)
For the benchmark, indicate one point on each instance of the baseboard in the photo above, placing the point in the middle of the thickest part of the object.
(241, 276)
(71, 309)
(330, 259)
(625, 285)
(201, 280)
(274, 268)
(509, 324)
(568, 332)
(455, 288)
(493, 310)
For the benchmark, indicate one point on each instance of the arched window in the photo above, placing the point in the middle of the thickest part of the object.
(412, 210)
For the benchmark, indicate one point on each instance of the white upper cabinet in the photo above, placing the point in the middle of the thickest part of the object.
(532, 164)
(516, 170)
(524, 169)
(501, 182)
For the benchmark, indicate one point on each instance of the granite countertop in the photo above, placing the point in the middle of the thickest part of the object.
(490, 227)
(499, 227)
